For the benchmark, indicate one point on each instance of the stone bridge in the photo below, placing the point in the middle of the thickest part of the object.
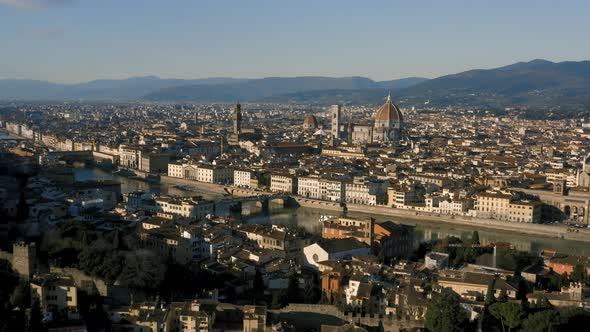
(263, 200)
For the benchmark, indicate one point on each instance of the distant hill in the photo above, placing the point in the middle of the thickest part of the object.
(402, 83)
(335, 96)
(124, 89)
(199, 90)
(258, 89)
(535, 84)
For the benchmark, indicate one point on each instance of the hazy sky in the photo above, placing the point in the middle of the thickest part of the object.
(79, 40)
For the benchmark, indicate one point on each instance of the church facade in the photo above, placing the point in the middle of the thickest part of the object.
(387, 126)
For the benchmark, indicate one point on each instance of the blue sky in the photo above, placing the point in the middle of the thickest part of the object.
(79, 40)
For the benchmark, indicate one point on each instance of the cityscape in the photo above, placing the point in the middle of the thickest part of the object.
(317, 202)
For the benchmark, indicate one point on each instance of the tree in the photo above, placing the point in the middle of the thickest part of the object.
(509, 313)
(258, 284)
(445, 314)
(381, 256)
(21, 297)
(578, 273)
(293, 288)
(542, 321)
(143, 270)
(490, 298)
(542, 302)
(8, 282)
(35, 317)
(503, 297)
(22, 209)
(475, 238)
(572, 318)
(313, 291)
(279, 299)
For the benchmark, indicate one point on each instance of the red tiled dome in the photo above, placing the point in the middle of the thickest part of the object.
(310, 121)
(389, 112)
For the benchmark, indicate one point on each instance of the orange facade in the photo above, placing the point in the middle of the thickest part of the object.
(331, 282)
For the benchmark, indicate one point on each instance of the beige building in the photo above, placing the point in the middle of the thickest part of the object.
(187, 316)
(215, 174)
(129, 156)
(167, 241)
(365, 191)
(502, 206)
(154, 163)
(341, 228)
(185, 206)
(254, 318)
(474, 285)
(346, 153)
(56, 294)
(283, 183)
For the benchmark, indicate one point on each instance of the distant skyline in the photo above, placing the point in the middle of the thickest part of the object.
(70, 41)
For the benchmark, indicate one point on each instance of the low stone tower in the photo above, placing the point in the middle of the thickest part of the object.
(24, 258)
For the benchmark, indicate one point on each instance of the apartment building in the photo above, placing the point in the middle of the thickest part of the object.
(243, 178)
(366, 191)
(283, 183)
(308, 186)
(402, 195)
(502, 206)
(56, 294)
(215, 174)
(194, 207)
(175, 170)
(342, 228)
(154, 162)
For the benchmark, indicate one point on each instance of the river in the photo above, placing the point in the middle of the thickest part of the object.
(308, 218)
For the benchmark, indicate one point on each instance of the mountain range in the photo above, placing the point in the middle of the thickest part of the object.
(533, 84)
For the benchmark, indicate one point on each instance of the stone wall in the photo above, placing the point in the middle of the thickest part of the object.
(113, 294)
(389, 323)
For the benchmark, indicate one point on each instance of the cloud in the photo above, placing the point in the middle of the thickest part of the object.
(35, 4)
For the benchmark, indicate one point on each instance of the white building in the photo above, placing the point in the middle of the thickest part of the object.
(308, 186)
(175, 170)
(184, 206)
(283, 183)
(215, 174)
(242, 178)
(332, 190)
(333, 249)
(365, 192)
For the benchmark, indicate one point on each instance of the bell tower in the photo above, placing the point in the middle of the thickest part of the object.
(237, 117)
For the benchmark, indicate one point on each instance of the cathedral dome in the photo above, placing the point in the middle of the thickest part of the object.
(310, 122)
(389, 112)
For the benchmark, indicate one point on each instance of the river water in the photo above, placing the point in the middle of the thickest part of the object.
(308, 218)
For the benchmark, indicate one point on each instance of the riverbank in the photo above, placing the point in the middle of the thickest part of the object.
(550, 231)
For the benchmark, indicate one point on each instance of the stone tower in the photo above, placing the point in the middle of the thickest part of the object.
(349, 129)
(24, 258)
(335, 113)
(237, 119)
